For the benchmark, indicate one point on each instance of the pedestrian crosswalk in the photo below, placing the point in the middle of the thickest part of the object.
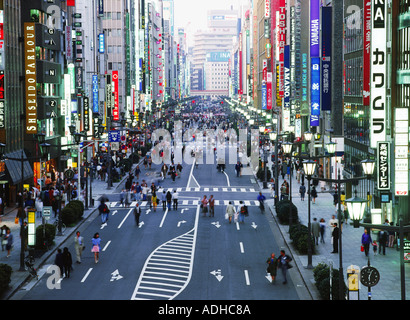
(210, 189)
(184, 202)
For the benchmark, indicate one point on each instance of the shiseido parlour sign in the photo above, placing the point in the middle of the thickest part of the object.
(31, 79)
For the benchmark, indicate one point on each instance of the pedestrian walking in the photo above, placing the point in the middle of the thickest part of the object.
(137, 214)
(315, 230)
(164, 200)
(104, 212)
(302, 191)
(122, 198)
(127, 198)
(204, 205)
(374, 244)
(58, 261)
(21, 214)
(169, 200)
(230, 211)
(96, 246)
(67, 262)
(9, 244)
(137, 172)
(154, 201)
(335, 239)
(313, 194)
(78, 246)
(332, 223)
(243, 212)
(382, 239)
(272, 267)
(366, 241)
(284, 264)
(322, 230)
(39, 207)
(212, 206)
(175, 197)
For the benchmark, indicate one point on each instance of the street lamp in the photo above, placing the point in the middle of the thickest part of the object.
(308, 136)
(356, 207)
(309, 167)
(331, 147)
(368, 167)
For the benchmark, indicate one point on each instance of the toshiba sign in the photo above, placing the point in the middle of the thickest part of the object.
(31, 79)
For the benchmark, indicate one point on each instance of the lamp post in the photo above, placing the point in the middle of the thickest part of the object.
(309, 167)
(265, 156)
(287, 149)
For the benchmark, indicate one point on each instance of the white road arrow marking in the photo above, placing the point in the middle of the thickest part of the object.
(141, 224)
(269, 277)
(116, 275)
(253, 225)
(180, 222)
(114, 212)
(148, 211)
(216, 224)
(103, 225)
(218, 274)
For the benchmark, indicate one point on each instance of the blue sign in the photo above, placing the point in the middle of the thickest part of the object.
(95, 93)
(264, 96)
(101, 43)
(315, 93)
(114, 136)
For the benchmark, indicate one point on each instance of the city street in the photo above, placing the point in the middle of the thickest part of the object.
(176, 254)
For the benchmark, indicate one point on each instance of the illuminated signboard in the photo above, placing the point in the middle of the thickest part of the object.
(101, 43)
(315, 93)
(314, 28)
(95, 93)
(378, 74)
(116, 110)
(31, 77)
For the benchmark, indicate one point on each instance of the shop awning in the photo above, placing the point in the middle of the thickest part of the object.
(13, 166)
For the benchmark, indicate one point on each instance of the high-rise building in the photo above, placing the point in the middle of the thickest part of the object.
(222, 28)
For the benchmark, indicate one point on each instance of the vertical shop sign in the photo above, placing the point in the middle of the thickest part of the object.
(31, 77)
(383, 165)
(116, 109)
(378, 74)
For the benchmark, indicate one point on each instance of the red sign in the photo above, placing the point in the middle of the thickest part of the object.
(116, 110)
(281, 45)
(70, 3)
(367, 25)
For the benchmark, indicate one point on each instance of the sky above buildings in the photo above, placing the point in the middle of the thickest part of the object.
(192, 14)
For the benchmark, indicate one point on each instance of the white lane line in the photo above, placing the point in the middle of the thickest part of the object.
(163, 218)
(241, 247)
(106, 246)
(237, 226)
(227, 179)
(190, 175)
(86, 275)
(248, 283)
(125, 218)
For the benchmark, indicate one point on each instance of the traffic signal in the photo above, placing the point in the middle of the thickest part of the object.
(193, 101)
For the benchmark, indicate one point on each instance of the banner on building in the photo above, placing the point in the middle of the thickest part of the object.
(401, 161)
(326, 88)
(383, 165)
(31, 77)
(378, 74)
(116, 109)
(315, 92)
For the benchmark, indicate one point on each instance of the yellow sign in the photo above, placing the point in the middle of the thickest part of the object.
(31, 216)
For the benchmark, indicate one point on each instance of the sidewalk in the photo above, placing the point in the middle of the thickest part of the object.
(389, 286)
(18, 277)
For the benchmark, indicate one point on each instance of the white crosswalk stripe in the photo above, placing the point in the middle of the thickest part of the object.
(208, 189)
(117, 204)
